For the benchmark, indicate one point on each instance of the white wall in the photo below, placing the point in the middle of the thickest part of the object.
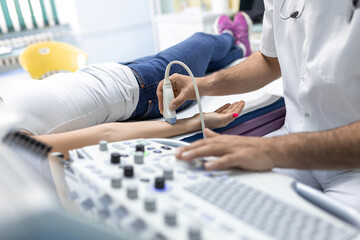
(110, 30)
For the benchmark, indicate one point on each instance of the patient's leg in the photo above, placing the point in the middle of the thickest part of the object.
(227, 60)
(197, 52)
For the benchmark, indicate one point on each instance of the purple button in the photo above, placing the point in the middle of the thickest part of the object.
(192, 177)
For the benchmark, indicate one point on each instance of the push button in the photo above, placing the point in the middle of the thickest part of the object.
(103, 146)
(115, 158)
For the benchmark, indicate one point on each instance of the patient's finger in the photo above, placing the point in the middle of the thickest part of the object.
(233, 107)
(221, 109)
(237, 107)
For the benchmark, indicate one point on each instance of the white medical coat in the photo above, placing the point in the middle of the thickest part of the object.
(319, 56)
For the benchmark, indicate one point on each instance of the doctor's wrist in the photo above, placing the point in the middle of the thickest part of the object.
(206, 85)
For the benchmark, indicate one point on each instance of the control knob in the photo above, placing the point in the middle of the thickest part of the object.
(194, 233)
(132, 192)
(139, 157)
(129, 171)
(140, 148)
(115, 158)
(170, 218)
(103, 146)
(150, 204)
(159, 183)
(168, 173)
(116, 182)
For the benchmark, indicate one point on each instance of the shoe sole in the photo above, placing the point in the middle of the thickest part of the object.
(215, 26)
(248, 20)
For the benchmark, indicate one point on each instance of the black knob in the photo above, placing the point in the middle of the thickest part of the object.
(57, 154)
(159, 183)
(139, 148)
(294, 14)
(115, 158)
(129, 171)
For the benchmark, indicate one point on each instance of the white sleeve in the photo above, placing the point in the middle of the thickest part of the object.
(267, 44)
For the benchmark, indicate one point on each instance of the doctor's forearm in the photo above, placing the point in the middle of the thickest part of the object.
(251, 74)
(333, 149)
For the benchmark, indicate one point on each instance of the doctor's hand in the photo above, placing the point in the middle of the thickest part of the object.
(248, 153)
(183, 90)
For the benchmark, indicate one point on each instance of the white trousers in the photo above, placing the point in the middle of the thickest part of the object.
(95, 94)
(343, 186)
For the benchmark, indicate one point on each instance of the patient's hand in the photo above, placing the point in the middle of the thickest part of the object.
(223, 115)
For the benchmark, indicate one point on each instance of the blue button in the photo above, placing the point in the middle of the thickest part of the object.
(165, 189)
(207, 217)
(175, 197)
(158, 165)
(150, 148)
(190, 206)
(197, 169)
(227, 228)
(96, 171)
(143, 142)
(149, 169)
(118, 146)
(181, 171)
(166, 147)
(157, 151)
(192, 177)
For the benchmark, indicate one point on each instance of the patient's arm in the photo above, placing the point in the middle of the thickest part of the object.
(117, 131)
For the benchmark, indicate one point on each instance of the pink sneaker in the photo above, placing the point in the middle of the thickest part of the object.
(223, 24)
(242, 24)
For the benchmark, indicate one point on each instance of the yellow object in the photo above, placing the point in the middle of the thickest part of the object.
(194, 3)
(43, 59)
(235, 5)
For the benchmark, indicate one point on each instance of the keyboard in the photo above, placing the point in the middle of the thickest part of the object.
(139, 185)
(274, 217)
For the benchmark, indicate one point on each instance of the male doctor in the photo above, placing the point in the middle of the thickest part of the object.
(315, 47)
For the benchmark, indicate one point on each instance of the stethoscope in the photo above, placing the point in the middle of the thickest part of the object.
(354, 4)
(294, 15)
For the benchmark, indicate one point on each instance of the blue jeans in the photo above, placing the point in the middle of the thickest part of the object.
(202, 53)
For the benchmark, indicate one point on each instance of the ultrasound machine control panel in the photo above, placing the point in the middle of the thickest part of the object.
(140, 186)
